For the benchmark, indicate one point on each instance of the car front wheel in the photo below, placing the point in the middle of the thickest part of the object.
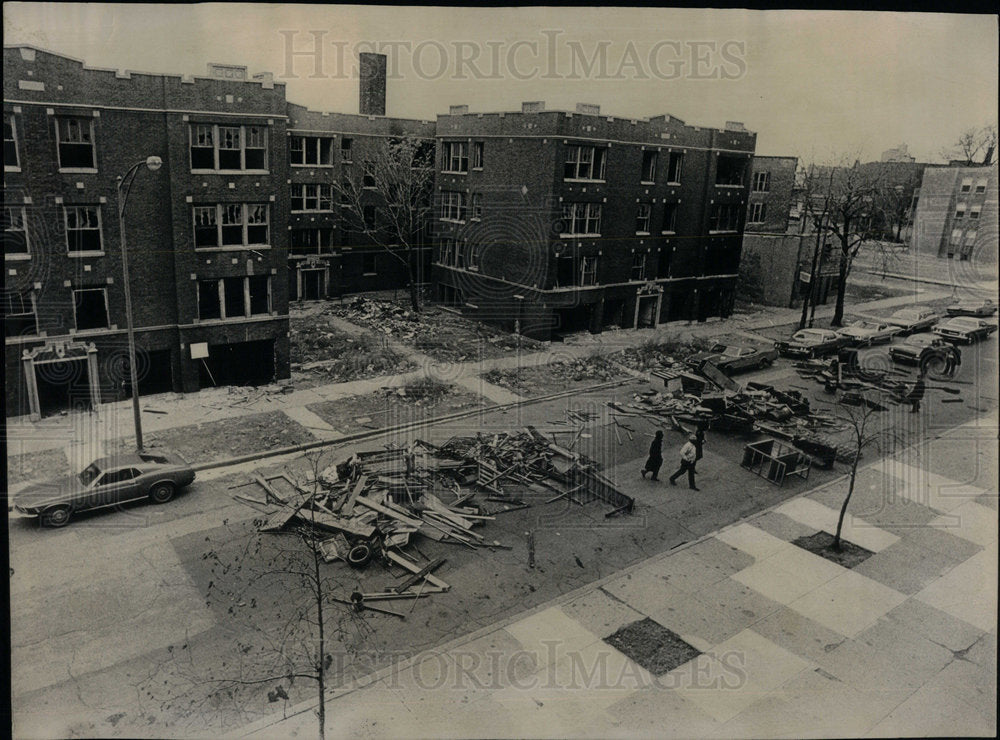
(161, 493)
(57, 516)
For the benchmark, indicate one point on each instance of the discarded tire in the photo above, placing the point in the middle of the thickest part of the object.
(359, 556)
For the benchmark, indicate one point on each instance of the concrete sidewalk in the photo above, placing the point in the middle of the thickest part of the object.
(84, 436)
(780, 642)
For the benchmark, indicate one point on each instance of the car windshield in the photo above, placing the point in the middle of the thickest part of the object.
(965, 323)
(864, 325)
(808, 335)
(734, 352)
(90, 474)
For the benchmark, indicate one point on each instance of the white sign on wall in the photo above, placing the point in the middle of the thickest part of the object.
(199, 350)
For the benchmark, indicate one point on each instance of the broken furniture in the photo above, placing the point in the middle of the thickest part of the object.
(775, 461)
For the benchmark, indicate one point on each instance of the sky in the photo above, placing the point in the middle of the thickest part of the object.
(819, 85)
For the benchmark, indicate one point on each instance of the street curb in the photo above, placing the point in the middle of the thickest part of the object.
(374, 433)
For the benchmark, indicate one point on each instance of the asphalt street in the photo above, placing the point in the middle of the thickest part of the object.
(118, 619)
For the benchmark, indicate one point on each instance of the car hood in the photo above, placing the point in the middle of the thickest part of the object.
(856, 331)
(53, 491)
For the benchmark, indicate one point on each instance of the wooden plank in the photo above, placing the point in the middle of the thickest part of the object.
(429, 568)
(391, 513)
(414, 568)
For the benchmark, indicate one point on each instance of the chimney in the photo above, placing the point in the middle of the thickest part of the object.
(372, 84)
(266, 80)
(588, 108)
(989, 155)
(735, 126)
(534, 106)
(457, 110)
(226, 71)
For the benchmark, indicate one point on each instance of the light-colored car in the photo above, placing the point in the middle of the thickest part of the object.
(106, 482)
(967, 329)
(911, 320)
(980, 309)
(733, 358)
(864, 333)
(811, 343)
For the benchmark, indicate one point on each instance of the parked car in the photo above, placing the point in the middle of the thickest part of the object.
(811, 343)
(732, 358)
(911, 320)
(864, 333)
(920, 349)
(967, 329)
(980, 309)
(106, 482)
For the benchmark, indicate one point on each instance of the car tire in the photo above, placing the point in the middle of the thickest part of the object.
(57, 516)
(161, 493)
(360, 555)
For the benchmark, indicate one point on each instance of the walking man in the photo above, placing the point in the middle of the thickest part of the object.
(699, 444)
(952, 361)
(655, 459)
(689, 454)
(916, 394)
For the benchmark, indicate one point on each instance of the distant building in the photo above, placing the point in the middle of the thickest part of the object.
(956, 213)
(772, 194)
(325, 259)
(897, 154)
(556, 221)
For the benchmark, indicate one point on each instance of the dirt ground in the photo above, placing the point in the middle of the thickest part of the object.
(36, 466)
(442, 334)
(556, 376)
(241, 435)
(389, 407)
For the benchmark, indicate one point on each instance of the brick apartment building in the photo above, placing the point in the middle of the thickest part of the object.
(554, 221)
(325, 257)
(206, 233)
(956, 213)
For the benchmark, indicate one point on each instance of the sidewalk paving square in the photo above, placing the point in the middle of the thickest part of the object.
(824, 518)
(975, 522)
(848, 604)
(935, 624)
(798, 634)
(968, 591)
(906, 566)
(740, 671)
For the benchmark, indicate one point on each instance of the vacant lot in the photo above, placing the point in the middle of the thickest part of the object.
(557, 376)
(442, 334)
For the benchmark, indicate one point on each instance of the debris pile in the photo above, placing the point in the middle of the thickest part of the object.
(375, 502)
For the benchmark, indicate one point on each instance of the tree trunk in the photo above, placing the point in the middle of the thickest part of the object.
(838, 312)
(847, 499)
(321, 657)
(810, 297)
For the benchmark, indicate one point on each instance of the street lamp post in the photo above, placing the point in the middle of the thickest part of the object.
(125, 184)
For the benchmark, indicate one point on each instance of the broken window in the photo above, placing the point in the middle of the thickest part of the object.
(456, 156)
(472, 258)
(368, 175)
(729, 170)
(642, 218)
(758, 213)
(83, 228)
(584, 163)
(581, 218)
(312, 197)
(588, 271)
(15, 233)
(761, 182)
(564, 271)
(232, 224)
(674, 167)
(346, 145)
(215, 147)
(669, 218)
(91, 308)
(478, 148)
(260, 294)
(460, 255)
(310, 241)
(663, 265)
(206, 229)
(234, 300)
(11, 159)
(453, 206)
(648, 167)
(639, 266)
(477, 205)
(725, 217)
(956, 237)
(209, 305)
(257, 224)
(75, 139)
(19, 314)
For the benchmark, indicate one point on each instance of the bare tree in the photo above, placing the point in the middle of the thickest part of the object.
(390, 203)
(290, 624)
(842, 203)
(865, 419)
(975, 147)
